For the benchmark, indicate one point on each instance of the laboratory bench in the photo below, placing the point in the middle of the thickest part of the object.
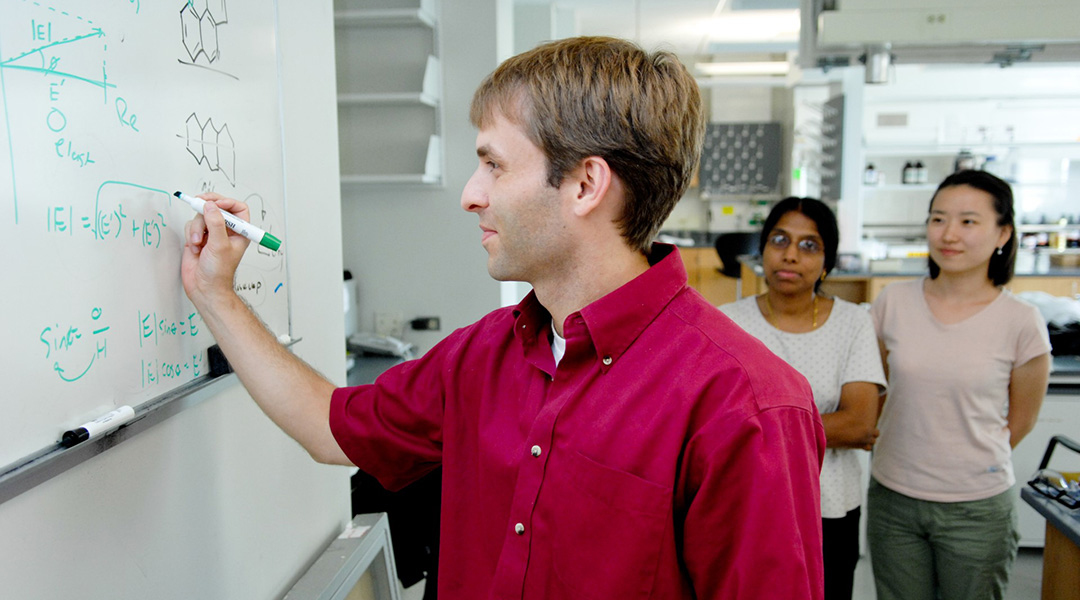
(363, 368)
(865, 286)
(1061, 554)
(703, 272)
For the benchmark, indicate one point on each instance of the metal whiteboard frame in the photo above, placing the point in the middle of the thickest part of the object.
(38, 468)
(42, 466)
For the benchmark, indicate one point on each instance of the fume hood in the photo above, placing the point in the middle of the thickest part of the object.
(843, 32)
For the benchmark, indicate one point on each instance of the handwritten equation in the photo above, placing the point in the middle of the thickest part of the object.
(157, 371)
(154, 328)
(107, 108)
(106, 225)
(66, 347)
(79, 346)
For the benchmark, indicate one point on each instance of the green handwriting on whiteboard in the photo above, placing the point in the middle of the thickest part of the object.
(65, 346)
(75, 348)
(106, 225)
(156, 371)
(122, 114)
(154, 328)
(107, 222)
(73, 58)
(150, 228)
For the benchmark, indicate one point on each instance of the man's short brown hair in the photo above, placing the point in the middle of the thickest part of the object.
(598, 96)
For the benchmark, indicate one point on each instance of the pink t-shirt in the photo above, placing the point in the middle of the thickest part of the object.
(944, 436)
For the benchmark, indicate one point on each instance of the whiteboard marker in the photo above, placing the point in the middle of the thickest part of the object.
(235, 223)
(98, 427)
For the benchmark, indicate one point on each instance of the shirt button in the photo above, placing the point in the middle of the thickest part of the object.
(519, 529)
(536, 450)
(607, 360)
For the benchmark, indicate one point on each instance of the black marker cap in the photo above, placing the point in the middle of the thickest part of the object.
(75, 436)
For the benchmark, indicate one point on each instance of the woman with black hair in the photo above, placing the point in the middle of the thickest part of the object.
(831, 342)
(968, 365)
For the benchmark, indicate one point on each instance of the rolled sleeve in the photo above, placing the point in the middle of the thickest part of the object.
(392, 429)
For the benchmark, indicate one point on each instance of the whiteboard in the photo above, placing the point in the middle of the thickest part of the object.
(107, 108)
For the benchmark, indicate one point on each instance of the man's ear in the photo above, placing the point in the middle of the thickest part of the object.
(592, 184)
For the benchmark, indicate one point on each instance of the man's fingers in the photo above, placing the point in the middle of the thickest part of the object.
(225, 203)
(193, 230)
(215, 225)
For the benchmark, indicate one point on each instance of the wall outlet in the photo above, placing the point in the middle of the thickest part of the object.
(425, 323)
(389, 323)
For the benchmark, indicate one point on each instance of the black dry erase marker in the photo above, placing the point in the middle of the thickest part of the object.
(99, 426)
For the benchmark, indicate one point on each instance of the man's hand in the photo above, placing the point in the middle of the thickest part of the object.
(211, 251)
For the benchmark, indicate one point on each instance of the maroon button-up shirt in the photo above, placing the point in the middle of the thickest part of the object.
(670, 454)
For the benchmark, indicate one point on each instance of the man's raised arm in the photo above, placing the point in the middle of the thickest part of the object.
(290, 392)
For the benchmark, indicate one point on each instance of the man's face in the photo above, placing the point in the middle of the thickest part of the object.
(521, 216)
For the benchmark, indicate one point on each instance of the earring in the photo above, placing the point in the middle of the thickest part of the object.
(823, 274)
(999, 251)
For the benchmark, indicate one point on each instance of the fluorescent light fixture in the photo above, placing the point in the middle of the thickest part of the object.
(753, 26)
(744, 68)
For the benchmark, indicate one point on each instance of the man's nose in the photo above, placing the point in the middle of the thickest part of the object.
(473, 196)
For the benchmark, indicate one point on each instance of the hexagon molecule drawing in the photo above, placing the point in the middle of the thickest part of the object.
(211, 146)
(199, 22)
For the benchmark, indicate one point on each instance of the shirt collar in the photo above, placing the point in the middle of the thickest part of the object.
(614, 321)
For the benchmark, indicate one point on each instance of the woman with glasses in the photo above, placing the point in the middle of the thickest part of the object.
(832, 343)
(968, 366)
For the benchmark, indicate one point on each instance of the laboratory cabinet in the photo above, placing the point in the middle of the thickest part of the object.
(865, 287)
(1005, 121)
(1060, 415)
(896, 196)
(703, 274)
(389, 80)
(1055, 286)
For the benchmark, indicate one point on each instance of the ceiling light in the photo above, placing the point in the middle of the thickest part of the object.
(744, 68)
(753, 26)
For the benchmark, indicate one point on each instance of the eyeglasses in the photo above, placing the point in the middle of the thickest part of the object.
(781, 241)
(1052, 484)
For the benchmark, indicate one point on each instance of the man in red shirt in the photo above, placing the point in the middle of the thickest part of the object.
(611, 436)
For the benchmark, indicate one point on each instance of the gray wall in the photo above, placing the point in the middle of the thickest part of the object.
(215, 502)
(415, 250)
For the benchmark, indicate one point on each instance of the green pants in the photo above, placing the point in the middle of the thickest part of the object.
(922, 550)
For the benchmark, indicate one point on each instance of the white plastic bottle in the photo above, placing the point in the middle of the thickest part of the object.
(870, 175)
